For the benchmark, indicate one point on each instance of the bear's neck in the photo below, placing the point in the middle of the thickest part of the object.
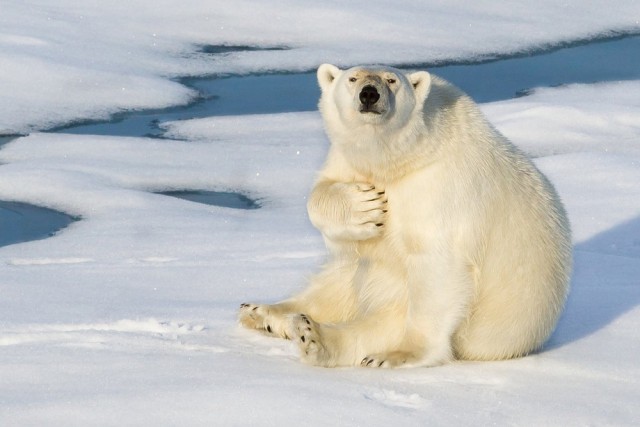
(384, 157)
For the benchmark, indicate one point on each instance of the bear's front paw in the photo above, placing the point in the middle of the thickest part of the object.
(369, 208)
(303, 330)
(366, 213)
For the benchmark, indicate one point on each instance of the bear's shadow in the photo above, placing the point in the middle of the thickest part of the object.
(604, 285)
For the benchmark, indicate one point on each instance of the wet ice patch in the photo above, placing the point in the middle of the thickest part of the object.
(223, 49)
(225, 199)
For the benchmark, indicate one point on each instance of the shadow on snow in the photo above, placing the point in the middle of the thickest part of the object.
(605, 283)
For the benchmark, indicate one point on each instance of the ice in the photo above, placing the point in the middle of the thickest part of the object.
(137, 256)
(128, 316)
(609, 122)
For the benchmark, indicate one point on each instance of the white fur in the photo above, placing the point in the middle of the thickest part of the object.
(444, 240)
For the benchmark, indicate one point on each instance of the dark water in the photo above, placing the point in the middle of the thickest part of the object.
(6, 139)
(492, 80)
(21, 222)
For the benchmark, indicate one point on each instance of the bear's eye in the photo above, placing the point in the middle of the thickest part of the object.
(391, 81)
(352, 79)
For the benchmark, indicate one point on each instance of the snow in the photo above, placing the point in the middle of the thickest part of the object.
(127, 317)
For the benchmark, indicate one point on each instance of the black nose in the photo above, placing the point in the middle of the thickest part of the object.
(369, 95)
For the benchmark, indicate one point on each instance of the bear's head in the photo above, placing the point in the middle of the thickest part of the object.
(381, 97)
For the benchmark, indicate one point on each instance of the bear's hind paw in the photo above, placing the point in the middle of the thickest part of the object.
(393, 359)
(260, 318)
(303, 330)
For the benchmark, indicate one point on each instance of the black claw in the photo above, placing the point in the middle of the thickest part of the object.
(269, 328)
(243, 305)
(380, 363)
(254, 308)
(313, 341)
(286, 337)
(369, 362)
(302, 338)
(379, 225)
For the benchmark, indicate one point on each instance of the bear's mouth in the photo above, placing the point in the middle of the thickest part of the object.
(369, 110)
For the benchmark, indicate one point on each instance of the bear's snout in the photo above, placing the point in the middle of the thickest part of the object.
(369, 96)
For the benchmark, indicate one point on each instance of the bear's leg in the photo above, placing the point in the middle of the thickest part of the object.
(347, 343)
(330, 298)
(361, 344)
(417, 332)
(440, 291)
(442, 288)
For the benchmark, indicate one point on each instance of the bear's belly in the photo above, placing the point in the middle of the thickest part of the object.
(419, 214)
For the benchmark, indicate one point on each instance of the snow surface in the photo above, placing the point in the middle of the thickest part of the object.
(128, 317)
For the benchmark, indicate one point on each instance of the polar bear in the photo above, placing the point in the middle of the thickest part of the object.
(445, 242)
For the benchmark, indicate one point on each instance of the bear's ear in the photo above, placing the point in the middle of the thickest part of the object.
(327, 74)
(421, 82)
